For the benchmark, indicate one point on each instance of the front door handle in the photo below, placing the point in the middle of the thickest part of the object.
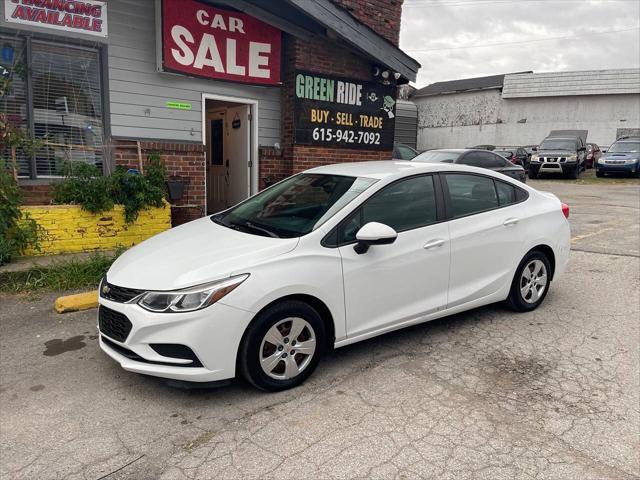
(511, 221)
(433, 244)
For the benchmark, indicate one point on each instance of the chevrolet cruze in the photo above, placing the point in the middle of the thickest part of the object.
(323, 259)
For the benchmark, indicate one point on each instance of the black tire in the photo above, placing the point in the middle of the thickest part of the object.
(533, 174)
(516, 301)
(251, 347)
(574, 173)
(599, 174)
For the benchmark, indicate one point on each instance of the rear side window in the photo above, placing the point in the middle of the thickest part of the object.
(404, 205)
(470, 194)
(506, 193)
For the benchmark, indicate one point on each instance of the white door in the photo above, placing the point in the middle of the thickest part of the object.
(485, 241)
(237, 152)
(406, 279)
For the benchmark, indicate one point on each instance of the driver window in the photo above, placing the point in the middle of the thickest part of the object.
(404, 205)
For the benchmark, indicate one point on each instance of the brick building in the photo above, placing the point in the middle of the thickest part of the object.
(234, 94)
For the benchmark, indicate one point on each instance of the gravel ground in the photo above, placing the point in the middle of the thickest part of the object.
(485, 394)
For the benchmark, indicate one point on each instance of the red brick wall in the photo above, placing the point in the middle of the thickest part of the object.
(381, 16)
(36, 194)
(184, 161)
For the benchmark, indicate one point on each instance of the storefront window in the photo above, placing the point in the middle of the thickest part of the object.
(61, 101)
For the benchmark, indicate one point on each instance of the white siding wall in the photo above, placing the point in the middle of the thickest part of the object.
(138, 92)
(472, 118)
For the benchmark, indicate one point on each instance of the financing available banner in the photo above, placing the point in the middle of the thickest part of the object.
(87, 16)
(340, 112)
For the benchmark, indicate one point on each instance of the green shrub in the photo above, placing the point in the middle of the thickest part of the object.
(17, 229)
(85, 185)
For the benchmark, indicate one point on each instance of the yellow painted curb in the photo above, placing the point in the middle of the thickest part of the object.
(74, 303)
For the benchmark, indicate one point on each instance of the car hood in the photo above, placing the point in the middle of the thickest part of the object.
(191, 254)
(621, 156)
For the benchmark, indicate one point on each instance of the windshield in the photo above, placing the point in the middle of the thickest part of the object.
(558, 144)
(437, 156)
(625, 147)
(295, 206)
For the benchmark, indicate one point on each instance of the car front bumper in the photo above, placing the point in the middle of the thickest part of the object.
(213, 334)
(552, 167)
(617, 168)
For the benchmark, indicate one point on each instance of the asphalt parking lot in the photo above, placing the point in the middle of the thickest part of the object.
(486, 394)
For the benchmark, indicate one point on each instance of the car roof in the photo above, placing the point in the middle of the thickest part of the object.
(390, 168)
(628, 139)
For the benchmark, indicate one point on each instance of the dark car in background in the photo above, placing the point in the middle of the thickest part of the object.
(623, 156)
(593, 155)
(516, 155)
(530, 149)
(474, 158)
(402, 151)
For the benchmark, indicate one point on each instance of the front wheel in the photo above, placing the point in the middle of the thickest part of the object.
(530, 283)
(574, 173)
(599, 173)
(532, 173)
(282, 346)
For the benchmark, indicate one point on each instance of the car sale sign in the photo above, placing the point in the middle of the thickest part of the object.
(89, 17)
(205, 41)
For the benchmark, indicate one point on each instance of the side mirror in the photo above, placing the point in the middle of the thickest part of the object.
(374, 233)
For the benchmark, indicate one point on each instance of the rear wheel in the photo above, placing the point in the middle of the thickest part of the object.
(282, 346)
(530, 283)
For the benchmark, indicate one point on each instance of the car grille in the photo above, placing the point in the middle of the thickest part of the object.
(553, 159)
(113, 324)
(615, 162)
(118, 294)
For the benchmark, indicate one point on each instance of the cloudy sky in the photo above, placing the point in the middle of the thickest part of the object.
(455, 39)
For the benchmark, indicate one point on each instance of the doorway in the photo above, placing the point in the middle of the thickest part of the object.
(229, 140)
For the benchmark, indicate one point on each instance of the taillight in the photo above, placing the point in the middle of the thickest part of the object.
(565, 210)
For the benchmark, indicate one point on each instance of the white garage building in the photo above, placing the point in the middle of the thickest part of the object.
(521, 108)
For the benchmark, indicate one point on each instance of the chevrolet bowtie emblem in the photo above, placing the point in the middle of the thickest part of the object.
(105, 289)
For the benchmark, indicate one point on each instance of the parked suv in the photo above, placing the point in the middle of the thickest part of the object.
(623, 156)
(563, 151)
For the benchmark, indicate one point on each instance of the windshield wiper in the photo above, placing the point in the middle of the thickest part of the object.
(259, 229)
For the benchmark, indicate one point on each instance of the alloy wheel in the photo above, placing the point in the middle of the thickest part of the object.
(287, 348)
(533, 281)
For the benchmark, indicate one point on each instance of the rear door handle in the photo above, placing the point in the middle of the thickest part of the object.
(510, 221)
(433, 244)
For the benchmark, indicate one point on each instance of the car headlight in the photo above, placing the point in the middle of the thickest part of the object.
(601, 160)
(190, 299)
(535, 158)
(632, 161)
(572, 158)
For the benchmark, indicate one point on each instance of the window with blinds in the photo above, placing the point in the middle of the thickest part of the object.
(13, 98)
(66, 104)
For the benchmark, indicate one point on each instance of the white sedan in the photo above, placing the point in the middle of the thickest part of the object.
(323, 259)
